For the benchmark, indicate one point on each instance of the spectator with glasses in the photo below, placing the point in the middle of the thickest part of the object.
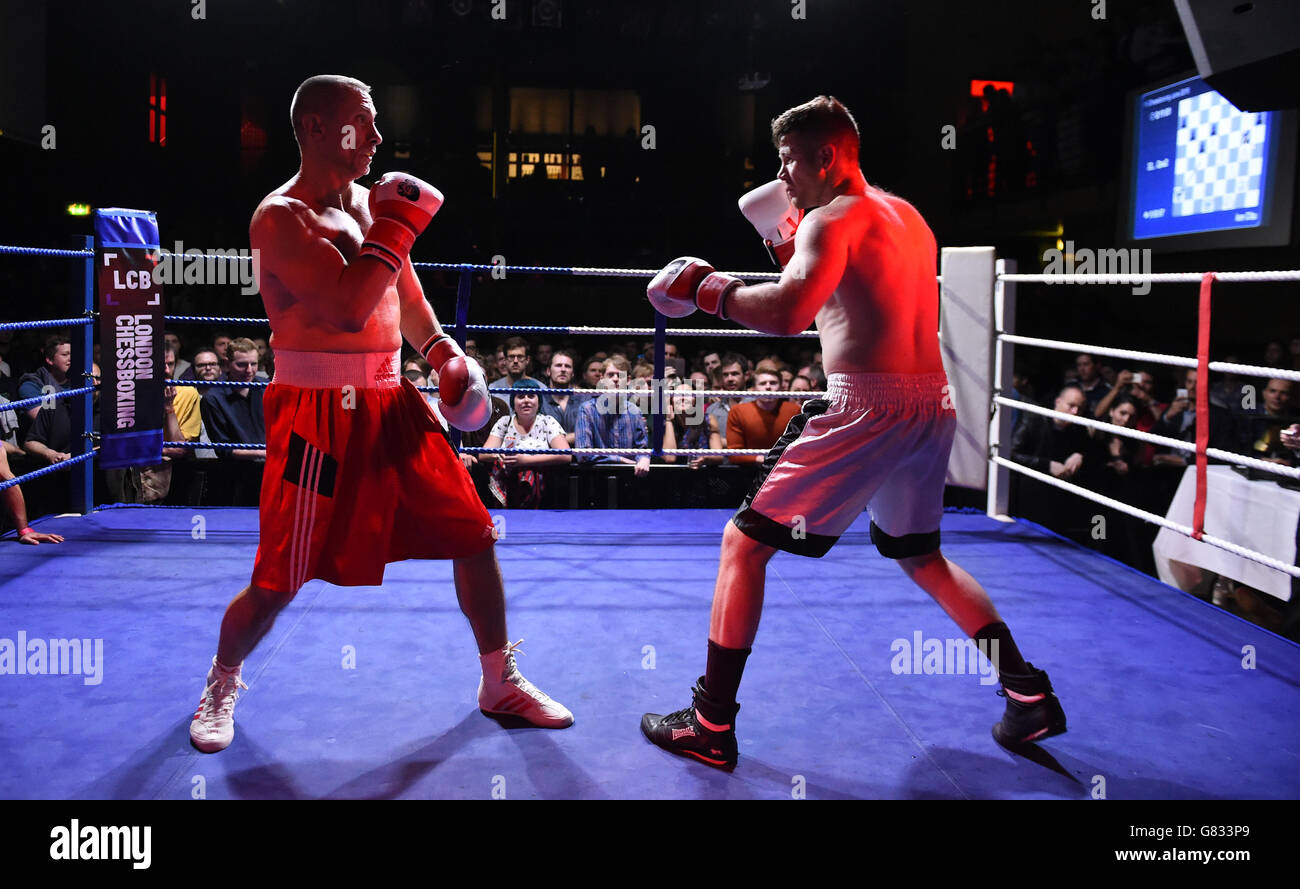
(516, 364)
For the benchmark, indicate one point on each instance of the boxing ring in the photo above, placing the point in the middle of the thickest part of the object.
(369, 692)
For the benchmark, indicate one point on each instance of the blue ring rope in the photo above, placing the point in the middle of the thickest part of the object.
(53, 467)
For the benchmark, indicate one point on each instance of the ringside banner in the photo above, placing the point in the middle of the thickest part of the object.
(131, 333)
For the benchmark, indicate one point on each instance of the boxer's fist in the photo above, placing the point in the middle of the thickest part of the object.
(672, 291)
(462, 389)
(401, 207)
(687, 284)
(769, 210)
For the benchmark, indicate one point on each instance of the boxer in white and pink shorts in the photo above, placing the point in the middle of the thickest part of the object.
(861, 263)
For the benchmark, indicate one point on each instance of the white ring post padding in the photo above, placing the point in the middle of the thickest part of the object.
(966, 341)
(998, 496)
(1185, 530)
(1156, 278)
(1150, 438)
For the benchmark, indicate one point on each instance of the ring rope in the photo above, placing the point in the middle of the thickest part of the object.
(674, 393)
(581, 330)
(1252, 370)
(1151, 438)
(581, 452)
(1152, 277)
(46, 470)
(53, 322)
(1185, 530)
(1064, 346)
(42, 251)
(24, 403)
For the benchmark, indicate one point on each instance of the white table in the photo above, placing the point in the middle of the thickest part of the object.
(1258, 515)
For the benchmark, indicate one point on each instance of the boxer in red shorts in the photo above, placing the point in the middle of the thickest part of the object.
(861, 263)
(358, 471)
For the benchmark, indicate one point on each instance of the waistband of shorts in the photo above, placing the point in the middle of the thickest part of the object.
(333, 370)
(868, 390)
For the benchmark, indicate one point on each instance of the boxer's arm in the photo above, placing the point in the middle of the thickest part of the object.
(418, 324)
(788, 306)
(313, 269)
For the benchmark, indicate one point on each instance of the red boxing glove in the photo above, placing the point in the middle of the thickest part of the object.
(672, 291)
(687, 284)
(401, 207)
(462, 389)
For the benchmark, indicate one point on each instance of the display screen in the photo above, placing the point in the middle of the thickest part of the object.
(1199, 164)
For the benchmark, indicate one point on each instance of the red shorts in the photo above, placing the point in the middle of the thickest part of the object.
(358, 474)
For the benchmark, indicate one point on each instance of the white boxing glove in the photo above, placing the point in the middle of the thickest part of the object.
(769, 210)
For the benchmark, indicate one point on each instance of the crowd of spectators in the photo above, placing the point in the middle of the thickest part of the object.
(1252, 416)
(41, 435)
(223, 412)
(602, 419)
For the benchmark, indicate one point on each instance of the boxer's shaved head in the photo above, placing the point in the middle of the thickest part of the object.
(822, 121)
(322, 95)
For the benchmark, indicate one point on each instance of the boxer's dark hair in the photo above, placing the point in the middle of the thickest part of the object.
(52, 345)
(318, 95)
(820, 121)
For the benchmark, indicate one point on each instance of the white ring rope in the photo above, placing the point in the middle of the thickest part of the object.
(1249, 370)
(671, 331)
(1063, 346)
(1185, 530)
(1152, 277)
(1216, 453)
(624, 452)
(636, 394)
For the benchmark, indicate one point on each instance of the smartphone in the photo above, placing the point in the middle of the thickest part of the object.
(1182, 393)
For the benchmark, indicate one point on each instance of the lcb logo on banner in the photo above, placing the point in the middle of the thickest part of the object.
(131, 332)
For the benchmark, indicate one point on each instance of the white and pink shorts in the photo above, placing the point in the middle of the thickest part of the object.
(877, 441)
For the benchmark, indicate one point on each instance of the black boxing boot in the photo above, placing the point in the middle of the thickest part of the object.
(683, 732)
(1027, 721)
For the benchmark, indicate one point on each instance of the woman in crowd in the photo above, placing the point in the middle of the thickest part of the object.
(517, 479)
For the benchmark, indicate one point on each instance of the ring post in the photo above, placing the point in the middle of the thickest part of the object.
(83, 422)
(657, 399)
(463, 285)
(968, 343)
(1000, 429)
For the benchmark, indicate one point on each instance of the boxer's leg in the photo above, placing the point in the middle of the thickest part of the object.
(248, 618)
(705, 730)
(1033, 711)
(503, 690)
(954, 589)
(970, 607)
(482, 598)
(738, 594)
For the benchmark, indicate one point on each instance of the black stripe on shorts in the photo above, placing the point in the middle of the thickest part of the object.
(766, 530)
(906, 546)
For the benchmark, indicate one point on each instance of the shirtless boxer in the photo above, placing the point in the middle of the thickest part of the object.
(861, 263)
(358, 472)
